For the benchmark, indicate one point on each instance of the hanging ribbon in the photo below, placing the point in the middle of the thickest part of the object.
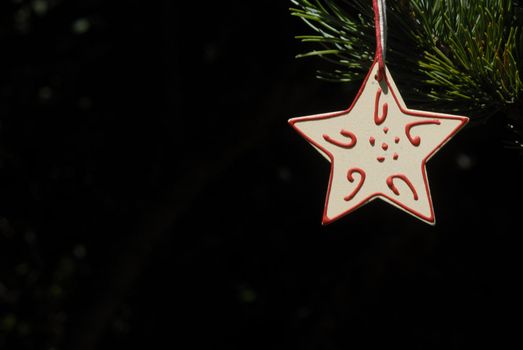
(380, 22)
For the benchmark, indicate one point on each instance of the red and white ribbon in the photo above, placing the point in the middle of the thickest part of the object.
(380, 22)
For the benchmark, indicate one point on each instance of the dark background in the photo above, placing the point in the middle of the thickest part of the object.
(152, 195)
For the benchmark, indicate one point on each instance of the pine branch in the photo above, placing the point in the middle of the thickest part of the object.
(460, 56)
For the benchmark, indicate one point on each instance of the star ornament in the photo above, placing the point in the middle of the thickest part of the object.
(378, 148)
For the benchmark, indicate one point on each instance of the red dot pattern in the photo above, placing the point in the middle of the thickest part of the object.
(384, 146)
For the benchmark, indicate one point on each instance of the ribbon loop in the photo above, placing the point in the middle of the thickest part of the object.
(380, 22)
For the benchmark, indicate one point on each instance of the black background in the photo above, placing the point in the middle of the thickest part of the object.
(153, 195)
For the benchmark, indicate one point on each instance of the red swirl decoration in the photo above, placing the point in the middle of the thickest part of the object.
(390, 183)
(380, 119)
(416, 140)
(348, 134)
(350, 177)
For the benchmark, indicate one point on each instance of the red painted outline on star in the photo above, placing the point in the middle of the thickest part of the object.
(429, 219)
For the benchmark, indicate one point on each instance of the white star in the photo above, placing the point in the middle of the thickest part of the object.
(378, 149)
